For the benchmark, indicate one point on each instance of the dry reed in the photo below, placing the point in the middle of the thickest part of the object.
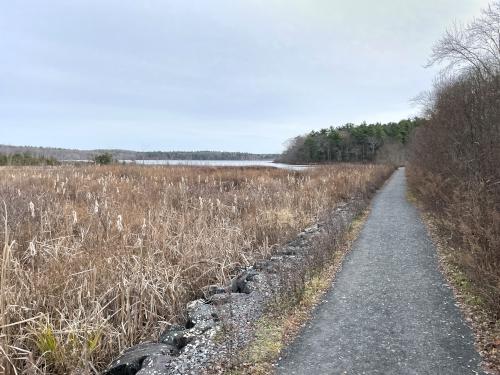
(97, 258)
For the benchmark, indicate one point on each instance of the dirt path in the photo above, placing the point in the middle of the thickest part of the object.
(390, 311)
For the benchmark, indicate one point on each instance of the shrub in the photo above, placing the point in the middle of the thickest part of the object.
(104, 159)
(455, 161)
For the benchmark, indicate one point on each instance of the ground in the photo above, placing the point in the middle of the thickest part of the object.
(390, 311)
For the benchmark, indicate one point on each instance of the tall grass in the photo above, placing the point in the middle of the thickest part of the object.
(95, 259)
(468, 216)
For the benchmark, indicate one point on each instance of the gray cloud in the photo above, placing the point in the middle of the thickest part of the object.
(233, 75)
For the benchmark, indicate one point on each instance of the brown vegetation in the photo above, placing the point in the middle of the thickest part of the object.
(96, 258)
(455, 164)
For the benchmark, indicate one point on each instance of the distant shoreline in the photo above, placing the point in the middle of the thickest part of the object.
(74, 155)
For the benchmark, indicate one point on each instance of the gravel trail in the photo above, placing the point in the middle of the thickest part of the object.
(390, 311)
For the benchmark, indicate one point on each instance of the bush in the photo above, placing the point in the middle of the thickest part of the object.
(455, 159)
(103, 159)
(25, 159)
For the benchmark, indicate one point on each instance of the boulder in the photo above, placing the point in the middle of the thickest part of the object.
(176, 336)
(288, 251)
(212, 290)
(130, 362)
(266, 265)
(220, 299)
(240, 283)
(155, 365)
(199, 311)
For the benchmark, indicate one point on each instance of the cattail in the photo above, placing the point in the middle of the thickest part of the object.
(138, 243)
(119, 223)
(32, 209)
(32, 248)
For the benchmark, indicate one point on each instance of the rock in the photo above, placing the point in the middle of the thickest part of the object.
(240, 283)
(287, 251)
(199, 310)
(261, 265)
(257, 279)
(220, 299)
(155, 365)
(227, 299)
(201, 316)
(300, 242)
(130, 362)
(312, 229)
(211, 290)
(268, 266)
(202, 327)
(176, 336)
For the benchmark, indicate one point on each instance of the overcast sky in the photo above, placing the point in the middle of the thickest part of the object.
(234, 75)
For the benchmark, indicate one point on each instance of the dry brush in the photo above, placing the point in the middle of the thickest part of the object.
(95, 259)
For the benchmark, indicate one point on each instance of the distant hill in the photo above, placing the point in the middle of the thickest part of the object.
(71, 154)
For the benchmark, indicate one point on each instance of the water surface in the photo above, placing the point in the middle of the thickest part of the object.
(220, 163)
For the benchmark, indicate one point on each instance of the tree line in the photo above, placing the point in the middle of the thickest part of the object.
(19, 159)
(353, 143)
(62, 154)
(455, 156)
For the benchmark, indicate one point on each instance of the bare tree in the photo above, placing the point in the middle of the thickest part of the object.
(455, 161)
(475, 45)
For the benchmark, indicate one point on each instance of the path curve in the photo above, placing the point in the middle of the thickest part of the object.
(390, 311)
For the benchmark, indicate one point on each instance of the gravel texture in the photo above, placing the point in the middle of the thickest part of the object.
(390, 311)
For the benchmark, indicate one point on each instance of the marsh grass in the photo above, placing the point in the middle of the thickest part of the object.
(286, 317)
(96, 259)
